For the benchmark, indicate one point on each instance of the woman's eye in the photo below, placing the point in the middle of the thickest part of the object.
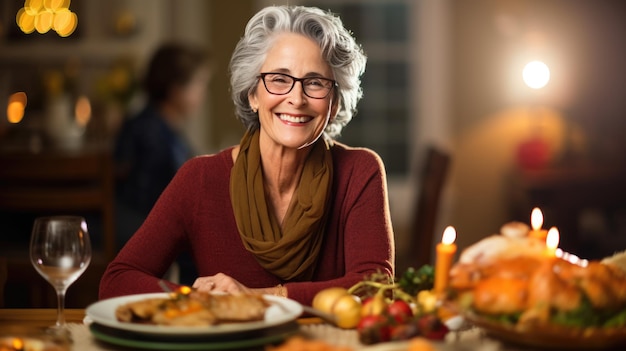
(279, 79)
(315, 82)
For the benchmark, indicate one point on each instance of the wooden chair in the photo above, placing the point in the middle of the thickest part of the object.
(431, 181)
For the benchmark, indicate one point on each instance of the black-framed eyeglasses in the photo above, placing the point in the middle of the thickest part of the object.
(282, 84)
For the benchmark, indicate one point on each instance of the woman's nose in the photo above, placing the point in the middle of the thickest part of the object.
(296, 96)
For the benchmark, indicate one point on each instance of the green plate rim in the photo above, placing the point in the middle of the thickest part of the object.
(189, 345)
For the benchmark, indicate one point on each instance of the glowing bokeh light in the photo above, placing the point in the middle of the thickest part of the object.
(82, 111)
(16, 107)
(33, 7)
(25, 21)
(68, 21)
(20, 96)
(43, 22)
(15, 112)
(536, 74)
(44, 15)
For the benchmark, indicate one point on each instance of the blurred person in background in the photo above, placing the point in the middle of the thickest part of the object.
(151, 146)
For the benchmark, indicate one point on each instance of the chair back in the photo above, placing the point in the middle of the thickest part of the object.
(431, 181)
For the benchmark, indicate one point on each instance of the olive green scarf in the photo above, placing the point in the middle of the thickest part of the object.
(291, 253)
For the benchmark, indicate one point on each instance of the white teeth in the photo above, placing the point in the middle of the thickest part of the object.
(293, 119)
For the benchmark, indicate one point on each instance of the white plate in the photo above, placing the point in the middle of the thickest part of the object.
(281, 311)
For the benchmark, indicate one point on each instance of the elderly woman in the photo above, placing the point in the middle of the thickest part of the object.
(288, 211)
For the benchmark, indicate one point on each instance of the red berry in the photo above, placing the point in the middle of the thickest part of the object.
(431, 327)
(400, 311)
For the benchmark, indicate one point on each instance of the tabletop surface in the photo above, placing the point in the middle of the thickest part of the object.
(38, 317)
(310, 327)
(473, 338)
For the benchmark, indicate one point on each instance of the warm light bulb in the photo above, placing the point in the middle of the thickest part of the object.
(536, 218)
(536, 74)
(552, 240)
(449, 236)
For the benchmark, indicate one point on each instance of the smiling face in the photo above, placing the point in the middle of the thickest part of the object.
(293, 119)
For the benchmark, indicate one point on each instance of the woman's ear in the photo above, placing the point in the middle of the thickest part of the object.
(254, 104)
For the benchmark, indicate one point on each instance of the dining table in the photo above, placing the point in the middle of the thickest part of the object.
(469, 338)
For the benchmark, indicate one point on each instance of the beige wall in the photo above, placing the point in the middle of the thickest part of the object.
(228, 20)
(580, 111)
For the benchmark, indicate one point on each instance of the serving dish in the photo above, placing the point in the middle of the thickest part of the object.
(551, 336)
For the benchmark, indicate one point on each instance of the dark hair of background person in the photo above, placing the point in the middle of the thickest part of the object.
(173, 64)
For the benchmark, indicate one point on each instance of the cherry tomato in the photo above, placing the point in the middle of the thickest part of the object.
(431, 327)
(400, 311)
(373, 329)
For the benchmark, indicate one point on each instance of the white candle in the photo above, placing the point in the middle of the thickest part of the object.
(536, 222)
(552, 241)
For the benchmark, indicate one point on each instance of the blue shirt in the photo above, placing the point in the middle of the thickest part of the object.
(151, 152)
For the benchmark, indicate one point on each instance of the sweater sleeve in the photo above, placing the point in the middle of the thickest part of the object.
(144, 259)
(368, 234)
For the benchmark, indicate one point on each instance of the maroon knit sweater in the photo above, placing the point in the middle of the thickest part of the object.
(195, 213)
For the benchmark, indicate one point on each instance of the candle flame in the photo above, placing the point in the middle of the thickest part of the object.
(536, 219)
(449, 236)
(552, 240)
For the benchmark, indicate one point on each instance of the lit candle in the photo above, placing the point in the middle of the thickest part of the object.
(445, 253)
(552, 241)
(536, 221)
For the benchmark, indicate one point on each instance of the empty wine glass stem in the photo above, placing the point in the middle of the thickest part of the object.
(60, 307)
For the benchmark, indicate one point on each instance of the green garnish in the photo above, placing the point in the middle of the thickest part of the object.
(413, 281)
(586, 316)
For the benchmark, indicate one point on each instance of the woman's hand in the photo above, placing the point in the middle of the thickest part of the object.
(221, 283)
(224, 283)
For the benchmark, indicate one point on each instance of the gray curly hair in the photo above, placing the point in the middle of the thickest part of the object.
(339, 49)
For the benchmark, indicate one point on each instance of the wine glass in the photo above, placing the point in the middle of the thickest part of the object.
(60, 251)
